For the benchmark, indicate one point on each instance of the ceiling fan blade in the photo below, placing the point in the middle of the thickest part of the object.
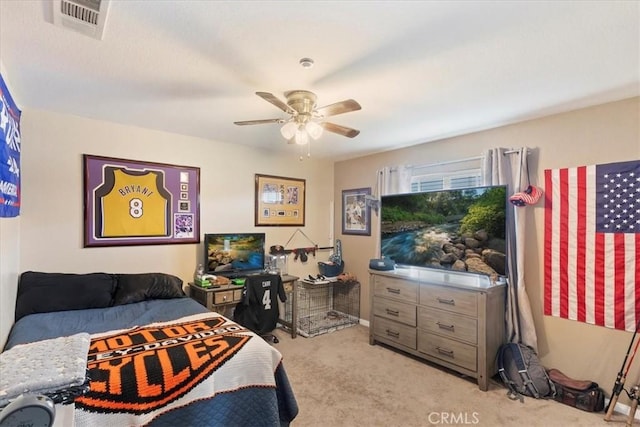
(341, 130)
(338, 108)
(269, 97)
(258, 122)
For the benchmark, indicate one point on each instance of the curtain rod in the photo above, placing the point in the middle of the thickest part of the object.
(512, 151)
(468, 159)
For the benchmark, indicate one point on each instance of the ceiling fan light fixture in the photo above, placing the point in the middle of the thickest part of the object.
(314, 130)
(288, 131)
(301, 137)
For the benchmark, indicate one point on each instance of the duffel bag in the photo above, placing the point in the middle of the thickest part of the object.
(581, 394)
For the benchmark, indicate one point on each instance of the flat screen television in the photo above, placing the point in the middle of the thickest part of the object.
(233, 254)
(461, 229)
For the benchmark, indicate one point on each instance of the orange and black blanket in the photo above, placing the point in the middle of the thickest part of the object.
(138, 374)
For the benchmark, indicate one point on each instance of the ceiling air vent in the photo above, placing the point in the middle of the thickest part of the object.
(85, 16)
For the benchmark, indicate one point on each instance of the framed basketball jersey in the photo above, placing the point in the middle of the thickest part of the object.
(128, 202)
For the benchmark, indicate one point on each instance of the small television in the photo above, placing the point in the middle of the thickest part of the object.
(445, 229)
(233, 254)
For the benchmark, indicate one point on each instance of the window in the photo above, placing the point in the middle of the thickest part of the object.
(448, 175)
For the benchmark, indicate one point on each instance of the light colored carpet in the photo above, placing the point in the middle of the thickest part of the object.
(341, 380)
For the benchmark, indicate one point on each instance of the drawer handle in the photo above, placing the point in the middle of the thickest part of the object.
(224, 298)
(443, 326)
(392, 312)
(393, 334)
(446, 301)
(393, 290)
(445, 352)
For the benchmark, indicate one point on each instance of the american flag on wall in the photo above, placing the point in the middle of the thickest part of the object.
(592, 244)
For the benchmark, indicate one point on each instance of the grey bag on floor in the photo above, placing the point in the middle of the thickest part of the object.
(522, 373)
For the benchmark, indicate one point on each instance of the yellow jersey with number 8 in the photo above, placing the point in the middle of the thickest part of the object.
(136, 205)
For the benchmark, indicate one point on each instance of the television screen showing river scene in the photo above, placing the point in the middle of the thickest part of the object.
(461, 230)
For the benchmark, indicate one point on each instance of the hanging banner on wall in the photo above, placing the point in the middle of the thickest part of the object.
(9, 154)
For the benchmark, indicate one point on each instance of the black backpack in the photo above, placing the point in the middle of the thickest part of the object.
(522, 373)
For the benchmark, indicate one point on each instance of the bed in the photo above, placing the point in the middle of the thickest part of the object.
(153, 356)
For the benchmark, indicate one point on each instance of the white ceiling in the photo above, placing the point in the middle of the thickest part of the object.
(422, 70)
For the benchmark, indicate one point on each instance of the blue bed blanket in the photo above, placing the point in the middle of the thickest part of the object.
(170, 362)
(42, 326)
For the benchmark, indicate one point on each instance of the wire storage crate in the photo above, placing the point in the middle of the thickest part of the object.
(327, 307)
(287, 306)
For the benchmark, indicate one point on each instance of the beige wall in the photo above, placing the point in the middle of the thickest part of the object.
(51, 220)
(9, 270)
(601, 134)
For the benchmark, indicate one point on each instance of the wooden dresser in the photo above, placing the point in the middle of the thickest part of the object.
(449, 318)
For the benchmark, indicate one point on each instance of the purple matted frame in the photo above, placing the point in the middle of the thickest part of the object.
(130, 202)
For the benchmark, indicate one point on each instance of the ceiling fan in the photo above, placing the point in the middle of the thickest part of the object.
(305, 119)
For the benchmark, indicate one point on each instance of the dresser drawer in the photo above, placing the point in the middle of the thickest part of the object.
(457, 353)
(450, 299)
(227, 296)
(394, 310)
(402, 290)
(396, 332)
(448, 324)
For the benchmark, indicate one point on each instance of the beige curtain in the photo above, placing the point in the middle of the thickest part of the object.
(508, 167)
(394, 180)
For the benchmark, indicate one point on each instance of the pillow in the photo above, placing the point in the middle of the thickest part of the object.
(144, 286)
(44, 292)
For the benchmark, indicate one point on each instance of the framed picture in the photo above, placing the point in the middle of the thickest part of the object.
(130, 202)
(356, 215)
(279, 200)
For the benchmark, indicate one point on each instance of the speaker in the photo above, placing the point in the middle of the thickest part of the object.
(382, 264)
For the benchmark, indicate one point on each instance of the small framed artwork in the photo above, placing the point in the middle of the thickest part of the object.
(356, 215)
(279, 200)
(131, 202)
